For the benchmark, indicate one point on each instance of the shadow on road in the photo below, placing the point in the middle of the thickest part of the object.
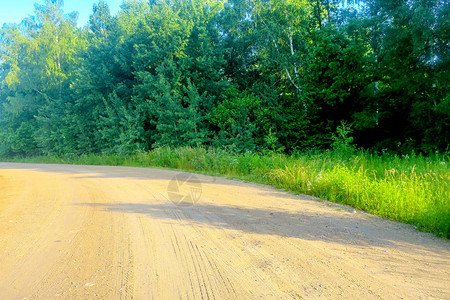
(315, 227)
(323, 225)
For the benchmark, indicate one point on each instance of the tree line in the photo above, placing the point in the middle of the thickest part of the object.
(246, 75)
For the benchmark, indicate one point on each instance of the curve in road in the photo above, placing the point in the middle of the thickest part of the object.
(122, 233)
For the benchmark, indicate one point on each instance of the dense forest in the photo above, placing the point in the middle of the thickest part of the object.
(244, 75)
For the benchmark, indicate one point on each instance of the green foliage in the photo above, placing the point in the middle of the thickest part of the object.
(271, 140)
(243, 75)
(237, 118)
(343, 140)
(37, 61)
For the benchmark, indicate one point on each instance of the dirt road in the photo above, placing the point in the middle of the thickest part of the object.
(88, 232)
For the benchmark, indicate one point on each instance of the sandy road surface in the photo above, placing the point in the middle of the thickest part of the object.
(111, 233)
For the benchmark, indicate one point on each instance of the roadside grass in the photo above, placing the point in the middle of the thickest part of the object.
(411, 189)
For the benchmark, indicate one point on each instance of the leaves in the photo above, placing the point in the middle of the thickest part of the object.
(246, 75)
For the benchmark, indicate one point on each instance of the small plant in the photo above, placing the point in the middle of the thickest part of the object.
(271, 140)
(343, 140)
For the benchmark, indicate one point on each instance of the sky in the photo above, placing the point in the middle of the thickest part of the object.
(14, 11)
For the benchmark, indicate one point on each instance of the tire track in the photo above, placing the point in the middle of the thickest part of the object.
(112, 233)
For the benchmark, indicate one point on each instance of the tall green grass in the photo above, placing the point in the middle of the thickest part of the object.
(410, 189)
